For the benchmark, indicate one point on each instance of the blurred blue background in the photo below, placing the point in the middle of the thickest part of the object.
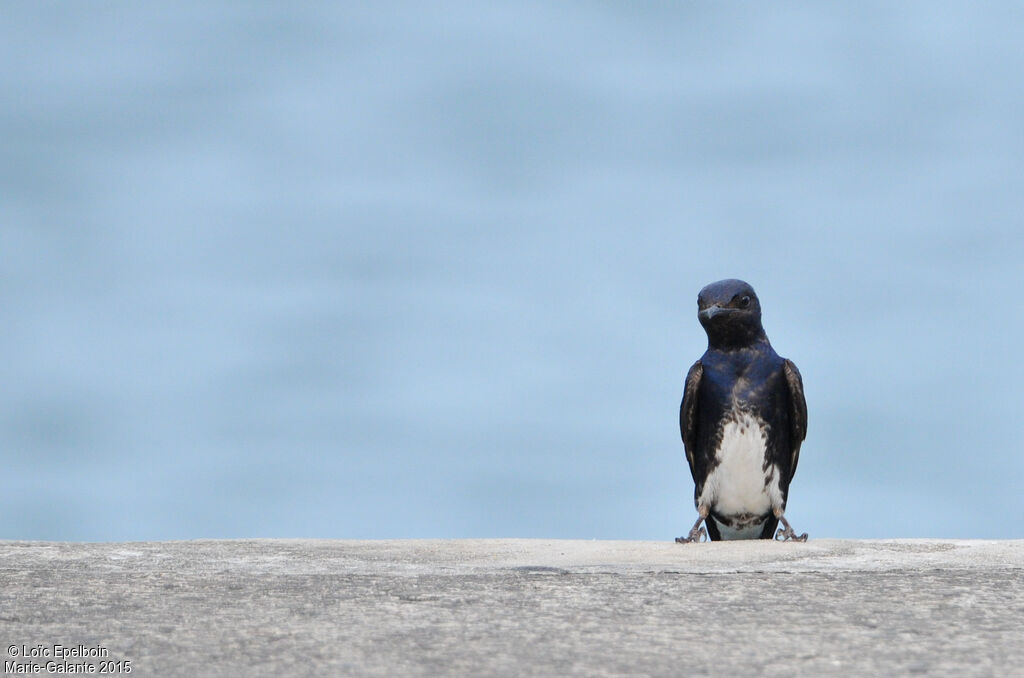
(377, 270)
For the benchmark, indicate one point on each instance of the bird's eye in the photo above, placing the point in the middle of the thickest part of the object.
(744, 301)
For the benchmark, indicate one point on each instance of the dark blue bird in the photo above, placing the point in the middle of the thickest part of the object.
(742, 420)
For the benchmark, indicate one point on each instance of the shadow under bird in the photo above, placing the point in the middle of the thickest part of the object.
(742, 420)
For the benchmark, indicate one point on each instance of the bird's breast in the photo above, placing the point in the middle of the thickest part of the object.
(742, 487)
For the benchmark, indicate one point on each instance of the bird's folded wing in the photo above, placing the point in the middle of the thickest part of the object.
(797, 413)
(688, 415)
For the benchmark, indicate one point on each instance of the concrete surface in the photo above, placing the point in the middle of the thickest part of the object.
(516, 607)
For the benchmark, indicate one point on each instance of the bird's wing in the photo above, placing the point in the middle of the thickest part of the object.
(688, 415)
(797, 413)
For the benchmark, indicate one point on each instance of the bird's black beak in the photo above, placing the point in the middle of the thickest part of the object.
(710, 312)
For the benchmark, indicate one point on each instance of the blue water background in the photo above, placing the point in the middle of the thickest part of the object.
(430, 270)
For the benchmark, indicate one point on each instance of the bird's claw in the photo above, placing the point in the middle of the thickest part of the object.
(697, 535)
(787, 534)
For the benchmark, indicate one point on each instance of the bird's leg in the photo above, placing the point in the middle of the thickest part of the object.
(786, 532)
(698, 533)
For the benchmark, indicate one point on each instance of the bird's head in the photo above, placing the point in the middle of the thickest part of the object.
(730, 313)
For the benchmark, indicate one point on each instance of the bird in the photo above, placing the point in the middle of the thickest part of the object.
(742, 419)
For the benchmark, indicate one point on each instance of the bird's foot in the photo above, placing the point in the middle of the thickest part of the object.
(697, 534)
(786, 532)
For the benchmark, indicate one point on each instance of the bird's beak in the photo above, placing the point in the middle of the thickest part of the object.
(710, 312)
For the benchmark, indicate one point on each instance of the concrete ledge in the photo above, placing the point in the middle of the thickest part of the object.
(517, 607)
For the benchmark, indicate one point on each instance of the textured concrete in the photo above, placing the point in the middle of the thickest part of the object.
(519, 607)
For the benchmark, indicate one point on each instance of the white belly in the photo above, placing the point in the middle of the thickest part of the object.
(740, 485)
